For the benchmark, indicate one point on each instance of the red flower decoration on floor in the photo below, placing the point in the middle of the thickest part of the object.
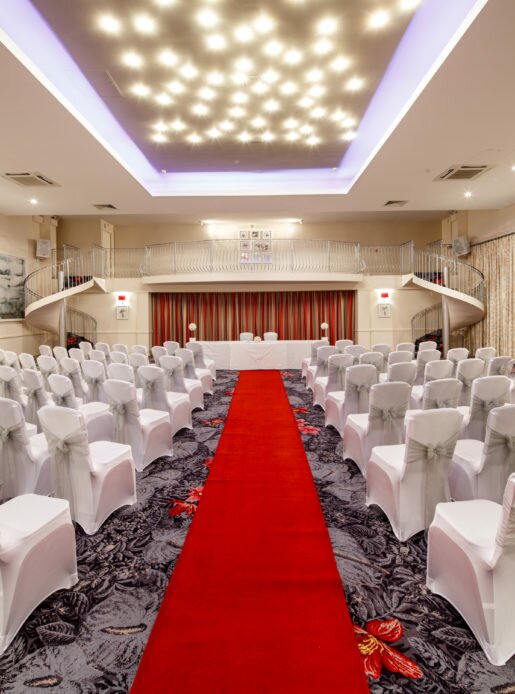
(376, 654)
(287, 374)
(179, 507)
(300, 410)
(213, 422)
(195, 494)
(208, 462)
(229, 392)
(305, 428)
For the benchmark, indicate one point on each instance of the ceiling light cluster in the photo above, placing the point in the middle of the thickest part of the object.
(246, 82)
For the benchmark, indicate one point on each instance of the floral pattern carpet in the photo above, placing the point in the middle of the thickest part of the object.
(90, 639)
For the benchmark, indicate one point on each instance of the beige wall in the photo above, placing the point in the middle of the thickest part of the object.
(82, 233)
(18, 236)
(480, 225)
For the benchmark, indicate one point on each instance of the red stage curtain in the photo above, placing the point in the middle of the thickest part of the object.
(223, 316)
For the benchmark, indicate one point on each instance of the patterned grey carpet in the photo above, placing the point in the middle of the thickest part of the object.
(90, 639)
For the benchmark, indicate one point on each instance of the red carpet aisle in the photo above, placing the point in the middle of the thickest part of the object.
(255, 604)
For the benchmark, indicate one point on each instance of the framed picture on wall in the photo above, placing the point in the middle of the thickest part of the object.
(244, 234)
(267, 234)
(245, 257)
(262, 246)
(255, 234)
(122, 313)
(12, 296)
(384, 310)
(245, 245)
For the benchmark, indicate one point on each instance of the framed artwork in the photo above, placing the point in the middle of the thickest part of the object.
(255, 234)
(261, 246)
(384, 310)
(245, 245)
(267, 234)
(122, 313)
(12, 298)
(244, 234)
(245, 257)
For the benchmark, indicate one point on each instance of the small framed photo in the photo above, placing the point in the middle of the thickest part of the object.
(261, 246)
(384, 310)
(245, 245)
(255, 234)
(267, 234)
(122, 313)
(244, 234)
(245, 257)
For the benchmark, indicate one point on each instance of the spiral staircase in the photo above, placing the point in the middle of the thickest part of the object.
(47, 289)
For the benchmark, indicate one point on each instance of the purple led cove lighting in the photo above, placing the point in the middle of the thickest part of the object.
(434, 31)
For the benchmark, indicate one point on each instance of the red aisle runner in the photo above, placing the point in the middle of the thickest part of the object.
(255, 604)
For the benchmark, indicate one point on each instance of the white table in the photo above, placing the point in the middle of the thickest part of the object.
(242, 356)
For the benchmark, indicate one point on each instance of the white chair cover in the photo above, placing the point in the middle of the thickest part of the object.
(59, 354)
(85, 348)
(77, 354)
(155, 397)
(2, 357)
(337, 364)
(10, 386)
(37, 550)
(157, 353)
(406, 347)
(383, 424)
(341, 344)
(147, 432)
(443, 393)
(45, 351)
(466, 372)
(471, 551)
(62, 390)
(311, 361)
(487, 392)
(456, 355)
(385, 351)
(270, 337)
(118, 358)
(136, 360)
(71, 368)
(93, 373)
(428, 344)
(99, 355)
(434, 371)
(121, 372)
(171, 347)
(402, 371)
(27, 361)
(485, 354)
(356, 351)
(11, 359)
(139, 349)
(190, 371)
(423, 358)
(246, 337)
(176, 383)
(103, 347)
(95, 478)
(201, 362)
(47, 366)
(480, 470)
(354, 399)
(319, 368)
(400, 357)
(374, 358)
(407, 481)
(120, 347)
(37, 395)
(498, 366)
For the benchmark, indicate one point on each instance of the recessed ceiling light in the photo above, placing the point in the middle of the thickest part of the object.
(194, 139)
(132, 59)
(237, 112)
(244, 65)
(159, 137)
(226, 125)
(317, 90)
(33, 201)
(109, 24)
(160, 126)
(145, 24)
(168, 58)
(513, 168)
(379, 19)
(200, 109)
(313, 140)
(164, 99)
(293, 57)
(338, 115)
(355, 84)
(214, 133)
(273, 48)
(243, 33)
(165, 3)
(258, 122)
(270, 76)
(292, 136)
(244, 136)
(349, 136)
(306, 129)
(349, 122)
(408, 5)
(175, 87)
(314, 75)
(306, 102)
(268, 136)
(215, 78)
(468, 194)
(207, 93)
(207, 18)
(288, 88)
(272, 105)
(260, 87)
(239, 98)
(178, 125)
(327, 26)
(318, 112)
(240, 78)
(140, 89)
(340, 64)
(189, 71)
(291, 123)
(323, 46)
(216, 42)
(264, 23)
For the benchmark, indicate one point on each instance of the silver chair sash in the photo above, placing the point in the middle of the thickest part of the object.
(485, 405)
(174, 383)
(495, 442)
(94, 383)
(148, 389)
(362, 390)
(391, 417)
(436, 473)
(12, 438)
(338, 374)
(467, 382)
(65, 400)
(61, 450)
(437, 404)
(505, 535)
(36, 398)
(10, 389)
(124, 414)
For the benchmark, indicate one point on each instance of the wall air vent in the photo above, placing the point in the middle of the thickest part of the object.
(29, 178)
(395, 203)
(105, 206)
(462, 173)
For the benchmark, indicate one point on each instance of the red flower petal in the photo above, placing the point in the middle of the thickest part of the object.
(182, 507)
(387, 630)
(372, 664)
(397, 662)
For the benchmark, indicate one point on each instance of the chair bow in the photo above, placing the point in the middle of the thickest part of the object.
(487, 405)
(495, 442)
(437, 456)
(124, 414)
(12, 438)
(64, 400)
(61, 450)
(387, 414)
(361, 389)
(393, 422)
(467, 382)
(438, 404)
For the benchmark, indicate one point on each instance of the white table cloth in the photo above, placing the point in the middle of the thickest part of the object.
(241, 356)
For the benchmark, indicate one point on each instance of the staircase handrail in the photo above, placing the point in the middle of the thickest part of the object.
(449, 272)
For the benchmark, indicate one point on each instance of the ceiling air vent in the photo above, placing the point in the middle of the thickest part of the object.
(105, 206)
(461, 173)
(395, 203)
(29, 178)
